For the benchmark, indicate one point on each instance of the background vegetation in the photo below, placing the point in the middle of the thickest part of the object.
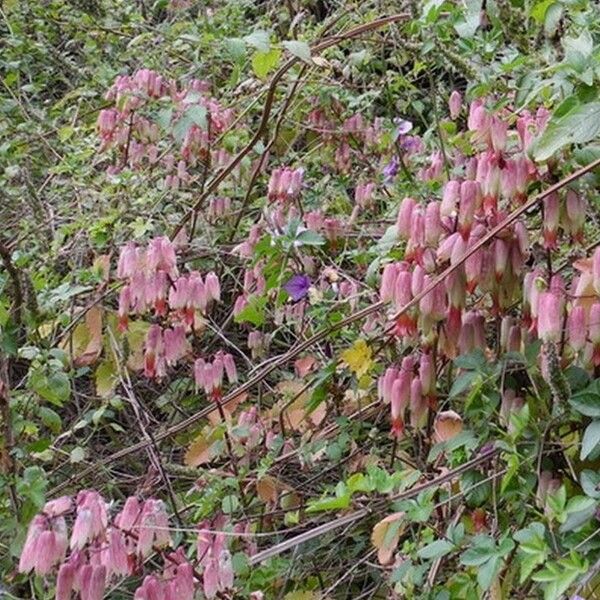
(299, 477)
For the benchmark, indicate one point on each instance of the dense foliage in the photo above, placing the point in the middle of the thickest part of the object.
(300, 300)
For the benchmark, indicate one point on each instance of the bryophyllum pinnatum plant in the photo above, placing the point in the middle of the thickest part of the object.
(300, 301)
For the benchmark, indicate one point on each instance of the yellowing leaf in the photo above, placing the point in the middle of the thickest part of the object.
(358, 357)
(267, 489)
(447, 425)
(386, 535)
(136, 336)
(203, 449)
(106, 378)
(214, 416)
(85, 342)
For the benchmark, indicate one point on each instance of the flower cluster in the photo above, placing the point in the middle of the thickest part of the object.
(209, 375)
(451, 317)
(101, 549)
(128, 127)
(153, 283)
(403, 389)
(285, 184)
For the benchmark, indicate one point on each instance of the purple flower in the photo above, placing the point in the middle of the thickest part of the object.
(297, 287)
(411, 144)
(402, 127)
(391, 170)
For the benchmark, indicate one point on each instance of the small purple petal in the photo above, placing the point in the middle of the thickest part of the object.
(297, 287)
(402, 126)
(391, 170)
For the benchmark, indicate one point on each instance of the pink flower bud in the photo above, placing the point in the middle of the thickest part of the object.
(596, 270)
(469, 200)
(450, 198)
(446, 247)
(95, 591)
(427, 374)
(433, 304)
(551, 221)
(125, 304)
(454, 104)
(130, 261)
(402, 293)
(417, 280)
(213, 288)
(501, 254)
(153, 528)
(399, 398)
(58, 506)
(549, 317)
(129, 515)
(418, 404)
(576, 211)
(154, 352)
(230, 368)
(64, 581)
(576, 328)
(498, 131)
(388, 281)
(433, 224)
(385, 384)
(405, 217)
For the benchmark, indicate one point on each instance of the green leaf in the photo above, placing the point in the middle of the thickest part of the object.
(236, 47)
(50, 419)
(77, 454)
(254, 312)
(578, 126)
(487, 572)
(309, 238)
(435, 549)
(552, 19)
(533, 550)
(483, 548)
(590, 483)
(55, 387)
(326, 504)
(229, 504)
(587, 401)
(539, 9)
(463, 382)
(259, 39)
(264, 62)
(591, 439)
(193, 115)
(299, 49)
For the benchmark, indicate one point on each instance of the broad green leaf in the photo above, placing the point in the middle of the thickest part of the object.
(259, 39)
(591, 439)
(435, 549)
(253, 312)
(299, 49)
(590, 483)
(327, 504)
(578, 126)
(309, 238)
(54, 387)
(264, 62)
(587, 401)
(464, 382)
(538, 10)
(50, 419)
